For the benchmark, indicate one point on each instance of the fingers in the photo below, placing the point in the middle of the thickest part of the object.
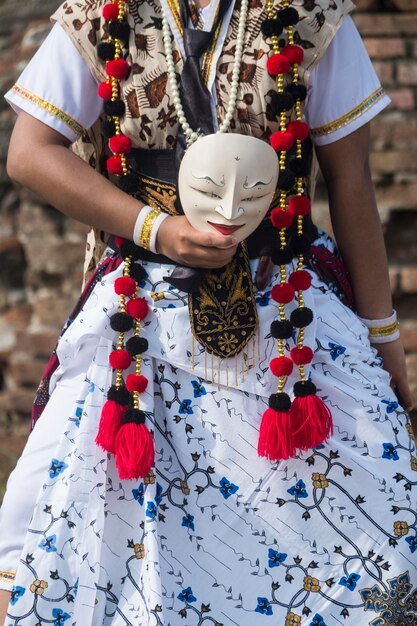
(212, 240)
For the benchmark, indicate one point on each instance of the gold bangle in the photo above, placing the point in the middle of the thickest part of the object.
(145, 233)
(384, 331)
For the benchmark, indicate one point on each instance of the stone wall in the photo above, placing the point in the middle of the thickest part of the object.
(41, 251)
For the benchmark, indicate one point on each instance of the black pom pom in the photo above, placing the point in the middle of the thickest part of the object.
(114, 108)
(281, 102)
(286, 180)
(299, 92)
(133, 416)
(137, 272)
(137, 345)
(300, 244)
(282, 257)
(271, 27)
(280, 401)
(108, 128)
(306, 388)
(281, 329)
(299, 167)
(288, 16)
(128, 183)
(130, 249)
(106, 50)
(119, 30)
(120, 395)
(301, 317)
(121, 322)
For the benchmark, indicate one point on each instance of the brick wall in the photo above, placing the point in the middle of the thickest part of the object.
(42, 251)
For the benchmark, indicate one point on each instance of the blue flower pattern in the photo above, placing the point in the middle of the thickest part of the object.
(199, 389)
(188, 521)
(48, 544)
(227, 488)
(275, 558)
(16, 593)
(336, 350)
(350, 581)
(187, 595)
(390, 452)
(298, 490)
(56, 467)
(185, 407)
(264, 606)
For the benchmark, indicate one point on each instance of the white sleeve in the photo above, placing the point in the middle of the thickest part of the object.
(344, 92)
(58, 88)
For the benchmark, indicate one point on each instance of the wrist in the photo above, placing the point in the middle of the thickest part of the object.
(382, 330)
(147, 226)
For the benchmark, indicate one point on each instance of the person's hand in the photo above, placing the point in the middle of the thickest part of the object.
(182, 243)
(392, 354)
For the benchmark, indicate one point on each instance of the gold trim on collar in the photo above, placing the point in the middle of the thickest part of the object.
(7, 577)
(349, 117)
(24, 93)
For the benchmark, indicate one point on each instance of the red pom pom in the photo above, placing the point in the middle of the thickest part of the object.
(302, 356)
(283, 294)
(282, 141)
(281, 218)
(299, 130)
(294, 54)
(311, 422)
(300, 280)
(117, 68)
(120, 144)
(119, 240)
(281, 366)
(135, 452)
(120, 359)
(110, 422)
(110, 12)
(114, 165)
(105, 91)
(125, 285)
(137, 308)
(277, 64)
(275, 436)
(136, 382)
(299, 205)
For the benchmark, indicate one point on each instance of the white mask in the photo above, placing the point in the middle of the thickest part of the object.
(227, 182)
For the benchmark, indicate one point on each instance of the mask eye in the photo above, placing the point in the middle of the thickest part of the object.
(209, 194)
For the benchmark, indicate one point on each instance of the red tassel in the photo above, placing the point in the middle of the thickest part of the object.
(311, 422)
(110, 422)
(275, 436)
(135, 453)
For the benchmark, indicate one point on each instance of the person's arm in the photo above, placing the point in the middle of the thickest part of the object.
(358, 233)
(39, 159)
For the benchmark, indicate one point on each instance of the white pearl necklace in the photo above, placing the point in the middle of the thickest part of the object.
(190, 134)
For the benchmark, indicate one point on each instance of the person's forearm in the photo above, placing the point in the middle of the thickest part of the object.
(358, 234)
(60, 177)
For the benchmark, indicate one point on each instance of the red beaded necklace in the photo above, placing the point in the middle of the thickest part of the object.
(286, 426)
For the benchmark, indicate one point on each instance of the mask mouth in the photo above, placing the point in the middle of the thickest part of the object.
(224, 229)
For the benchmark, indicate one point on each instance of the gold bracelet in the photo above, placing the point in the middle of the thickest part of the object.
(145, 233)
(384, 331)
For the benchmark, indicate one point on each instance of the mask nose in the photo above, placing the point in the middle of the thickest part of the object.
(229, 210)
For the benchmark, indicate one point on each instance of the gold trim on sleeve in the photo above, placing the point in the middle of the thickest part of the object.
(349, 117)
(24, 93)
(7, 577)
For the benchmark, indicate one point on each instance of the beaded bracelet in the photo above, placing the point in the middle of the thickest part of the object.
(382, 330)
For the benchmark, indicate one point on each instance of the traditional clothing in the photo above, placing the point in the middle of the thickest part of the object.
(214, 533)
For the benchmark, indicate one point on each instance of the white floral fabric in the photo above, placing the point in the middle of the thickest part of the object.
(215, 535)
